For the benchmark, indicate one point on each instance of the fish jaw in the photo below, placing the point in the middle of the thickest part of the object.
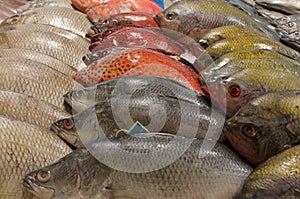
(77, 105)
(40, 191)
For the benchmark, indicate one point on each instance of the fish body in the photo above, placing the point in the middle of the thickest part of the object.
(270, 14)
(64, 18)
(25, 147)
(241, 87)
(266, 126)
(84, 5)
(138, 62)
(102, 11)
(288, 6)
(285, 19)
(44, 3)
(89, 96)
(35, 79)
(288, 28)
(292, 39)
(45, 42)
(44, 113)
(249, 43)
(155, 112)
(277, 177)
(196, 173)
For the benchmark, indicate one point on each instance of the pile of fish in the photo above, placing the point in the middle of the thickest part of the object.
(122, 99)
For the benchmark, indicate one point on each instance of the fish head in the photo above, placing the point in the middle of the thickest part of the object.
(281, 21)
(15, 19)
(294, 36)
(80, 100)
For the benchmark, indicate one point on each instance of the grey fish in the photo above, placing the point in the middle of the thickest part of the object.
(285, 19)
(292, 39)
(35, 79)
(64, 18)
(87, 97)
(45, 42)
(270, 14)
(288, 6)
(184, 170)
(288, 28)
(25, 147)
(155, 112)
(38, 57)
(44, 3)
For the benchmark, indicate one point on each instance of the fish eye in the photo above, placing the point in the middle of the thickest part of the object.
(284, 19)
(296, 33)
(68, 124)
(290, 24)
(43, 176)
(234, 90)
(171, 16)
(249, 130)
(13, 20)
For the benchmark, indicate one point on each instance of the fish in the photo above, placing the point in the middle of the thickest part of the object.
(290, 27)
(249, 43)
(44, 113)
(35, 79)
(38, 57)
(270, 14)
(45, 42)
(138, 62)
(195, 18)
(155, 112)
(266, 126)
(277, 177)
(102, 11)
(89, 96)
(67, 34)
(84, 5)
(123, 19)
(185, 172)
(288, 6)
(292, 39)
(241, 87)
(25, 147)
(225, 32)
(44, 3)
(285, 19)
(64, 18)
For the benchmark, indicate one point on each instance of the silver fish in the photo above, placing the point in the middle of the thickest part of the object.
(288, 6)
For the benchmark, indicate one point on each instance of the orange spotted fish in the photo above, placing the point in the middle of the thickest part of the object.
(138, 62)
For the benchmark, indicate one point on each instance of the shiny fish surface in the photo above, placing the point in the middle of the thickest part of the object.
(197, 173)
(30, 109)
(292, 39)
(45, 42)
(288, 28)
(286, 19)
(288, 6)
(35, 79)
(25, 147)
(44, 3)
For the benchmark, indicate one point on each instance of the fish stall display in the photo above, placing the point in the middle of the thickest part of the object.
(150, 99)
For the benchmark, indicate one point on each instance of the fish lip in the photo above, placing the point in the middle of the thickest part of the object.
(36, 189)
(55, 129)
(156, 18)
(25, 182)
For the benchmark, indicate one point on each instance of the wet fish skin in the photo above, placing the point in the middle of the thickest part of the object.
(249, 84)
(25, 147)
(45, 42)
(189, 171)
(84, 5)
(275, 120)
(155, 112)
(38, 57)
(35, 79)
(89, 96)
(277, 177)
(270, 14)
(44, 3)
(286, 19)
(288, 28)
(44, 113)
(288, 6)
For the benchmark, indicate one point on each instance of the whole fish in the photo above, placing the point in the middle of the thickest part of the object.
(187, 171)
(87, 97)
(277, 177)
(25, 147)
(44, 113)
(286, 19)
(241, 87)
(64, 18)
(102, 11)
(123, 19)
(45, 42)
(266, 126)
(38, 57)
(249, 43)
(288, 6)
(155, 112)
(195, 18)
(288, 28)
(35, 79)
(138, 62)
(67, 34)
(292, 39)
(84, 5)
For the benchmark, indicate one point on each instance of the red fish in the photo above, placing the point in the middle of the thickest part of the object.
(138, 62)
(84, 5)
(111, 7)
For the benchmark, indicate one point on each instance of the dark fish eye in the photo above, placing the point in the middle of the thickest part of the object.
(249, 130)
(13, 20)
(296, 33)
(284, 19)
(234, 90)
(43, 176)
(68, 124)
(171, 16)
(290, 24)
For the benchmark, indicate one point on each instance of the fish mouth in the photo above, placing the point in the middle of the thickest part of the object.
(40, 191)
(55, 129)
(26, 184)
(157, 18)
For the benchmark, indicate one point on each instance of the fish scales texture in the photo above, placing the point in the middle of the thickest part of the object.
(45, 42)
(35, 79)
(30, 109)
(64, 18)
(217, 174)
(275, 119)
(277, 177)
(25, 147)
(38, 57)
